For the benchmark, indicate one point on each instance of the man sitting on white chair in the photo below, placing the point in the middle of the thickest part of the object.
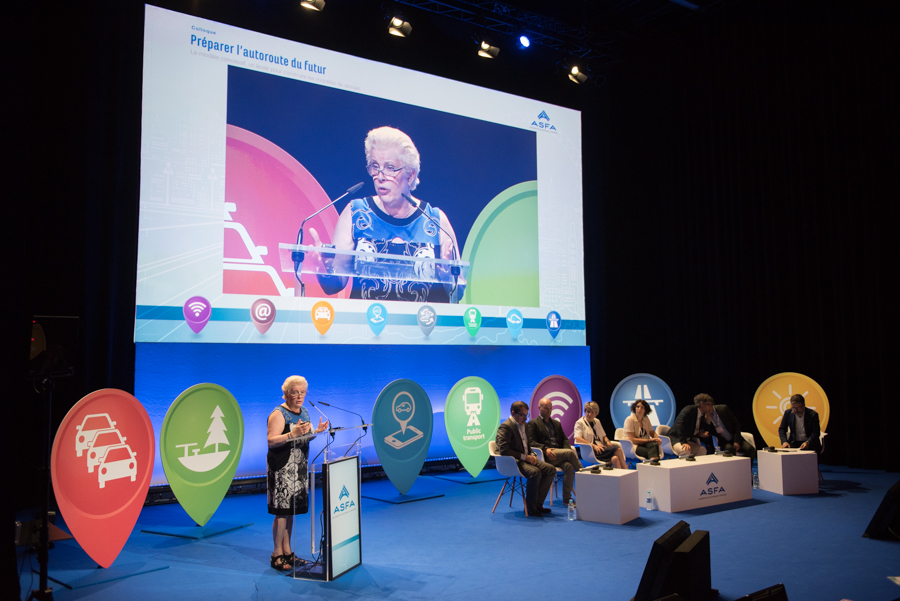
(546, 433)
(803, 425)
(512, 440)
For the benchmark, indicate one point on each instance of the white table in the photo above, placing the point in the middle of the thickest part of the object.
(791, 472)
(610, 496)
(680, 485)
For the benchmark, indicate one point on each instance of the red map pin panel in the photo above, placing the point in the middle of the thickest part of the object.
(101, 465)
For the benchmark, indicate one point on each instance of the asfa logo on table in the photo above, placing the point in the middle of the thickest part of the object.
(712, 491)
(343, 506)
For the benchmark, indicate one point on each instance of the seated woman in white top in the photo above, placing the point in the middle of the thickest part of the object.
(589, 430)
(641, 433)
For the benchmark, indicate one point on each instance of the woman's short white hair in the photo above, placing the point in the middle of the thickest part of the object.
(291, 382)
(594, 407)
(390, 137)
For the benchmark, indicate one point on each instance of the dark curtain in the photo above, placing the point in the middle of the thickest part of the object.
(751, 226)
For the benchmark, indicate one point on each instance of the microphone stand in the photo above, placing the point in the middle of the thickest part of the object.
(298, 255)
(454, 269)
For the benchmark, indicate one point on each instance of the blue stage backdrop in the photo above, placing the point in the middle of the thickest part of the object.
(349, 377)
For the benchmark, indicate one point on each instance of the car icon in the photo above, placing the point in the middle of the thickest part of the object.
(118, 462)
(323, 313)
(514, 318)
(88, 430)
(102, 441)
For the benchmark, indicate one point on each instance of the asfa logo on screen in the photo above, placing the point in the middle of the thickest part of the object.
(543, 122)
(712, 491)
(343, 506)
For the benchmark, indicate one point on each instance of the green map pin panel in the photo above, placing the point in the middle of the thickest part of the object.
(200, 445)
(403, 422)
(472, 415)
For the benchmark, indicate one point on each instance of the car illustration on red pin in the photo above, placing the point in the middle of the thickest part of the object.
(89, 428)
(118, 462)
(102, 441)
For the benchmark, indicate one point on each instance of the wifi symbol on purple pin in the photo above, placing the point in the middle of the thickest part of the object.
(196, 313)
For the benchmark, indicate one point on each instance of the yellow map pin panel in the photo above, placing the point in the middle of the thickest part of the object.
(773, 398)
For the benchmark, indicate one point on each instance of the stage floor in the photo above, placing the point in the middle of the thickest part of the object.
(452, 547)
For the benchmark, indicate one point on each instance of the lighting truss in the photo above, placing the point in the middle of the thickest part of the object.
(579, 42)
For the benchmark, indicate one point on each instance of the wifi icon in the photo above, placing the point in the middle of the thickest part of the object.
(197, 307)
(197, 311)
(560, 403)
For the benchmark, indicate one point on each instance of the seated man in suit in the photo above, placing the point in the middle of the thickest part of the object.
(803, 424)
(512, 440)
(720, 422)
(546, 433)
(696, 426)
(686, 433)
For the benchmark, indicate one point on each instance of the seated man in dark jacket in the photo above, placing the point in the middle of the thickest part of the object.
(546, 434)
(803, 425)
(696, 426)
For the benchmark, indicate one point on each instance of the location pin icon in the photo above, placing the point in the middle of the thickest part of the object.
(200, 445)
(427, 318)
(554, 323)
(101, 465)
(472, 320)
(514, 321)
(197, 311)
(263, 315)
(322, 316)
(376, 316)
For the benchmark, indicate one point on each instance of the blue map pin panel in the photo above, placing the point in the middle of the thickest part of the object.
(402, 424)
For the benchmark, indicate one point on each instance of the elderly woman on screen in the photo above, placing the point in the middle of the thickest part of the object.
(589, 430)
(289, 433)
(392, 222)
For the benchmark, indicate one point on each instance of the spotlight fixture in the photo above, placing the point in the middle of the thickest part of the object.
(399, 27)
(485, 50)
(524, 41)
(577, 75)
(313, 4)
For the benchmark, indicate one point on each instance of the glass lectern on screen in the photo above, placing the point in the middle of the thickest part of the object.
(245, 136)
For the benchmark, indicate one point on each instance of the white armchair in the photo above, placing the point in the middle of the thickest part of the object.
(515, 479)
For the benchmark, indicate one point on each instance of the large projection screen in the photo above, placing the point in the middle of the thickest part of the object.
(245, 135)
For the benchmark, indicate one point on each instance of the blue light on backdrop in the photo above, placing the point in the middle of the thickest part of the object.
(346, 377)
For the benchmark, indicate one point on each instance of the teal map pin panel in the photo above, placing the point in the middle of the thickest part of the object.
(403, 421)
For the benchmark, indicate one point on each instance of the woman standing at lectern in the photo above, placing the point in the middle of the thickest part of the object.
(289, 433)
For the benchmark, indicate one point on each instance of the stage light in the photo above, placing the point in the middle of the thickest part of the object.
(313, 4)
(399, 27)
(577, 75)
(485, 50)
(524, 41)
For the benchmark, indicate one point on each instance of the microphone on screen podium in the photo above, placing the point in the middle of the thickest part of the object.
(418, 206)
(297, 256)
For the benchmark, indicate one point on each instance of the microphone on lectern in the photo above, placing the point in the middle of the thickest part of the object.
(297, 256)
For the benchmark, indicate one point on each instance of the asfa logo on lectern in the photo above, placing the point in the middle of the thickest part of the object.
(347, 505)
(712, 491)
